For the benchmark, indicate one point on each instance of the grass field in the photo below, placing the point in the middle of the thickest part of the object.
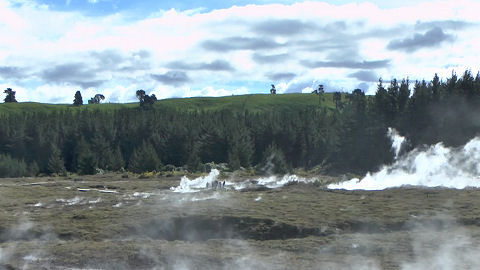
(253, 103)
(49, 223)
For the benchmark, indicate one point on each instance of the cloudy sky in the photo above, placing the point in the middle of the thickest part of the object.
(51, 48)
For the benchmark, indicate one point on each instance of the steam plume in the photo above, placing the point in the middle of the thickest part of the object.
(434, 166)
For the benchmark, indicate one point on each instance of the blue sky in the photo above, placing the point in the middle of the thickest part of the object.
(146, 7)
(217, 48)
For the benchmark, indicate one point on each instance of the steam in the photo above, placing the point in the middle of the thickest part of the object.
(187, 185)
(209, 181)
(27, 231)
(443, 250)
(397, 141)
(434, 166)
(4, 255)
(275, 182)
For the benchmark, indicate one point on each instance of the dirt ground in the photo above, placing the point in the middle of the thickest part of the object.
(113, 222)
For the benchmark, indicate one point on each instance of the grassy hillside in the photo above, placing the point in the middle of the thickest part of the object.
(257, 102)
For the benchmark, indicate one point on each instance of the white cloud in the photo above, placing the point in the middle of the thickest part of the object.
(40, 39)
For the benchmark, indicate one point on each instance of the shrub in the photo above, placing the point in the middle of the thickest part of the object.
(10, 167)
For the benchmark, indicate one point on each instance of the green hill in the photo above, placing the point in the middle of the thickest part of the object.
(257, 102)
(253, 103)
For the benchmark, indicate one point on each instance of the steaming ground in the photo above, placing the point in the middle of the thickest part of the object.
(414, 214)
(108, 222)
(432, 166)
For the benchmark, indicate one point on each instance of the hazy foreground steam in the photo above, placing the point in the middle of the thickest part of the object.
(433, 166)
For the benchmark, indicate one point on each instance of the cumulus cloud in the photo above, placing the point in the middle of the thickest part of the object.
(108, 58)
(74, 73)
(445, 24)
(240, 43)
(215, 49)
(347, 64)
(286, 27)
(365, 76)
(431, 38)
(281, 76)
(217, 65)
(8, 72)
(270, 58)
(114, 60)
(299, 85)
(174, 78)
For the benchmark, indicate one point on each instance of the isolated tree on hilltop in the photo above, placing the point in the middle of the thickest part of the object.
(96, 99)
(319, 92)
(141, 95)
(273, 91)
(78, 101)
(10, 95)
(145, 100)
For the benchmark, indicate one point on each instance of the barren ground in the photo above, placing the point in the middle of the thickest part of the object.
(131, 223)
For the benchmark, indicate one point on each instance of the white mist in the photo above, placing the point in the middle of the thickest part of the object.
(434, 166)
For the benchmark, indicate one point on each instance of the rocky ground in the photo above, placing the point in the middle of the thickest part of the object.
(112, 222)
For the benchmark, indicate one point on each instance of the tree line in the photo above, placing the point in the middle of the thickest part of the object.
(349, 138)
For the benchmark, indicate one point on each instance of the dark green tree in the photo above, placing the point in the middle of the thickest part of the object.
(273, 91)
(358, 101)
(477, 85)
(97, 99)
(451, 85)
(467, 84)
(87, 163)
(392, 106)
(194, 163)
(116, 163)
(10, 95)
(146, 101)
(55, 164)
(403, 95)
(436, 88)
(141, 95)
(382, 101)
(33, 169)
(337, 99)
(78, 101)
(144, 159)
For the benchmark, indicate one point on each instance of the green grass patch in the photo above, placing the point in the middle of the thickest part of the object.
(252, 103)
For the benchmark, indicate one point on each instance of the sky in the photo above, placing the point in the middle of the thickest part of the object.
(49, 49)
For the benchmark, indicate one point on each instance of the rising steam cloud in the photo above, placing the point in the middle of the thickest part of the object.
(434, 166)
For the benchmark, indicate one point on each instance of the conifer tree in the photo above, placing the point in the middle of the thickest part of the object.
(55, 163)
(194, 162)
(33, 169)
(144, 159)
(78, 101)
(116, 163)
(87, 163)
(233, 158)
